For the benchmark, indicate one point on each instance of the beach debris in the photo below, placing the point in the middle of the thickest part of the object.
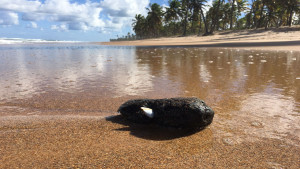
(148, 112)
(173, 112)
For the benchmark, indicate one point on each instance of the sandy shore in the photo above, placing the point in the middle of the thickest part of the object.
(272, 39)
(95, 142)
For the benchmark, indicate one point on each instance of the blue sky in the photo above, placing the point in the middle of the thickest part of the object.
(75, 20)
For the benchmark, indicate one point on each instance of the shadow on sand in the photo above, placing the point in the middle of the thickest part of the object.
(151, 131)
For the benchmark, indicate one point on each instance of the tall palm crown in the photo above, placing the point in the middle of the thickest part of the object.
(173, 12)
(154, 18)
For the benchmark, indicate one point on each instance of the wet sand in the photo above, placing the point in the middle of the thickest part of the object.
(67, 142)
(58, 107)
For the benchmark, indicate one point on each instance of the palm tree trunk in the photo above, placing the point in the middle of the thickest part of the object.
(185, 21)
(260, 16)
(268, 20)
(200, 25)
(215, 21)
(174, 27)
(231, 14)
(291, 17)
(205, 23)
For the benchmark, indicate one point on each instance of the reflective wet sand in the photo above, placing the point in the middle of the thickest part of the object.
(54, 100)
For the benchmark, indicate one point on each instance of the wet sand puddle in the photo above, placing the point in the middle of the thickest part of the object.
(54, 100)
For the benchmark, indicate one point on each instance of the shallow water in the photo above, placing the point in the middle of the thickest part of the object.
(248, 90)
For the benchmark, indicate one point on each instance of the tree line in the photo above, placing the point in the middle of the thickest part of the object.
(196, 17)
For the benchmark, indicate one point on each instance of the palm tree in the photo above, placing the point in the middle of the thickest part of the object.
(185, 7)
(173, 13)
(241, 7)
(154, 19)
(292, 6)
(231, 12)
(139, 25)
(198, 6)
(215, 12)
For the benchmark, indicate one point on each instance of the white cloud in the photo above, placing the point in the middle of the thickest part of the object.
(100, 16)
(20, 5)
(78, 26)
(124, 8)
(32, 25)
(62, 27)
(9, 18)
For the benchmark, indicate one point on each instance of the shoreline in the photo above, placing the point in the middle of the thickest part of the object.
(274, 39)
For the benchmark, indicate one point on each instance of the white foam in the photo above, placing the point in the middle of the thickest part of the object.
(26, 41)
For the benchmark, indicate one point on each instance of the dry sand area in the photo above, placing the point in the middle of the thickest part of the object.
(287, 38)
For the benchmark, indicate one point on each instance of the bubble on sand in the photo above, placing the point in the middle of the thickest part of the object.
(210, 61)
(250, 63)
(263, 61)
(228, 63)
(246, 75)
(250, 56)
(220, 52)
(294, 58)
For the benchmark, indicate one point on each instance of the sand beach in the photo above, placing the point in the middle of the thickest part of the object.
(59, 102)
(285, 38)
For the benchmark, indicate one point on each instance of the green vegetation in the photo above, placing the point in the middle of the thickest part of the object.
(195, 17)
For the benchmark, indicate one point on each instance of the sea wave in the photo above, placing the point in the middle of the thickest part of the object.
(26, 41)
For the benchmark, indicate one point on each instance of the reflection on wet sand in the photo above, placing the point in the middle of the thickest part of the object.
(255, 94)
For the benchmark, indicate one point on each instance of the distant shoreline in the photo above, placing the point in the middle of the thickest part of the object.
(287, 38)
